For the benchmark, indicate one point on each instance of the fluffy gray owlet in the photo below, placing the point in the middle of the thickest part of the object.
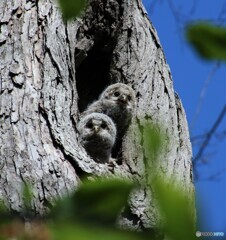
(118, 102)
(97, 135)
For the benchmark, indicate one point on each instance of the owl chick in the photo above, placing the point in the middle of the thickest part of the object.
(97, 136)
(118, 102)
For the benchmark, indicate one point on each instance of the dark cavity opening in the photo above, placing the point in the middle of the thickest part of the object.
(92, 76)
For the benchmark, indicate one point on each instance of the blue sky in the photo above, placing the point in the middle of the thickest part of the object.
(190, 74)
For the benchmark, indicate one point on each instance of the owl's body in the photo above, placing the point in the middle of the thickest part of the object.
(97, 135)
(118, 102)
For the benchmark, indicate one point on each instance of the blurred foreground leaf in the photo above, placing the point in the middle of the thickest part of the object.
(153, 138)
(208, 40)
(79, 232)
(27, 197)
(155, 141)
(176, 209)
(71, 8)
(5, 215)
(95, 202)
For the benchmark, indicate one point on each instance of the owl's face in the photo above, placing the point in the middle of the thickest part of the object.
(120, 94)
(97, 127)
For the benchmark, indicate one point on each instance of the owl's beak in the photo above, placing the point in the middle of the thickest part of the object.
(96, 128)
(123, 99)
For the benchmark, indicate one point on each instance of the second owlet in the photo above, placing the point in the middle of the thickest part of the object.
(97, 135)
(118, 102)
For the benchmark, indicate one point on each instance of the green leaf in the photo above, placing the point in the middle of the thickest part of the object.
(208, 40)
(95, 202)
(177, 210)
(154, 141)
(80, 232)
(27, 196)
(71, 8)
(5, 215)
(175, 207)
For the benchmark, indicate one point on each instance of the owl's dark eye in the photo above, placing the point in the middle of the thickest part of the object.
(89, 125)
(104, 125)
(116, 94)
(129, 98)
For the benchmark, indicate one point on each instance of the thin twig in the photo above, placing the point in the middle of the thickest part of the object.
(203, 93)
(209, 135)
(222, 14)
(218, 135)
(216, 176)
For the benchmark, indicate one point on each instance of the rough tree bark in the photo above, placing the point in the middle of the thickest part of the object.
(50, 71)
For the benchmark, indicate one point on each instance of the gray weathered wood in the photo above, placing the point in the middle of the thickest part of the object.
(50, 71)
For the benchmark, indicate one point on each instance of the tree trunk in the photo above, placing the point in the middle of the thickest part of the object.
(51, 71)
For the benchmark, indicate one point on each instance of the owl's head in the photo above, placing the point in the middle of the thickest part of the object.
(121, 94)
(97, 125)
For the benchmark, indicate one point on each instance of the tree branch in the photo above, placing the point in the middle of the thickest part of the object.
(209, 135)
